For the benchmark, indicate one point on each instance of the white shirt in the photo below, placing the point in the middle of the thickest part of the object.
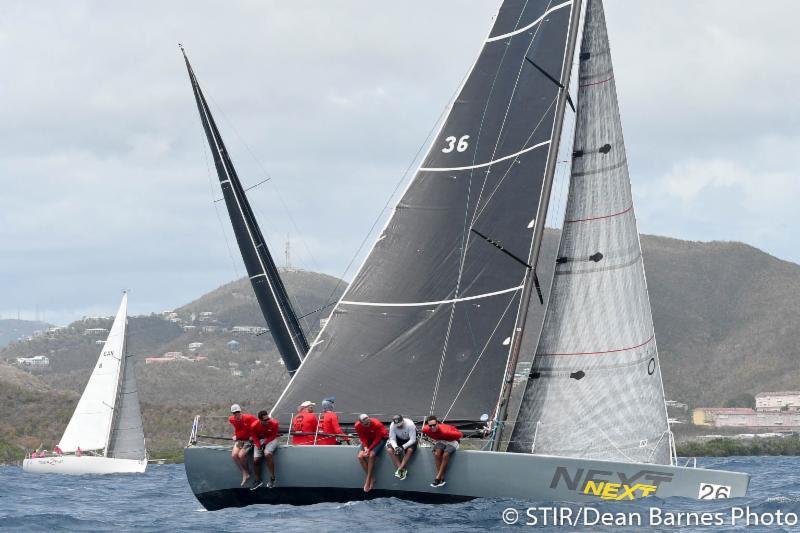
(408, 432)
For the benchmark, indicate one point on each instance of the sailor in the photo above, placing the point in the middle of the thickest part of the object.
(445, 443)
(264, 433)
(373, 435)
(241, 423)
(402, 443)
(305, 422)
(330, 425)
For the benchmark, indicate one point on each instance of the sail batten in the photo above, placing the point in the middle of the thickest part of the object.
(594, 389)
(433, 302)
(261, 269)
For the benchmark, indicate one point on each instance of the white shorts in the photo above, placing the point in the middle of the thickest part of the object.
(270, 447)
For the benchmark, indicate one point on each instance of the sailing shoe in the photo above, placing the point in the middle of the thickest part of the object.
(397, 473)
(437, 483)
(271, 483)
(257, 485)
(403, 474)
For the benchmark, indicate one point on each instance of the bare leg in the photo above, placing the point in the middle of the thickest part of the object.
(257, 469)
(243, 463)
(437, 458)
(393, 456)
(370, 467)
(443, 466)
(235, 457)
(270, 464)
(362, 459)
(406, 457)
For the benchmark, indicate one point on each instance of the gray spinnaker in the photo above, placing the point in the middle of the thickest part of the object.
(595, 387)
(127, 435)
(434, 304)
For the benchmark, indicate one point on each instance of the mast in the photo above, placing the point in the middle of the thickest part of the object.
(267, 284)
(531, 281)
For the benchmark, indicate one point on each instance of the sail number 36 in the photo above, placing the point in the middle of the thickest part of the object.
(456, 143)
(710, 491)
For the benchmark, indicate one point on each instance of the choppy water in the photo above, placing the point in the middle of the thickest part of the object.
(161, 500)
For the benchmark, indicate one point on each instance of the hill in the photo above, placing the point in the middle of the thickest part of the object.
(725, 315)
(12, 330)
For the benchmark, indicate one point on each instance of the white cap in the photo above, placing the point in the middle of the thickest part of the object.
(307, 404)
(235, 408)
(363, 416)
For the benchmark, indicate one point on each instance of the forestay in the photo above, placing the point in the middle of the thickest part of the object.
(595, 388)
(425, 326)
(90, 425)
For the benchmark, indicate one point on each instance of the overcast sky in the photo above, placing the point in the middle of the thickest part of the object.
(105, 174)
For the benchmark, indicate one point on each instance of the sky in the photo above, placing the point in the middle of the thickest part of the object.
(105, 171)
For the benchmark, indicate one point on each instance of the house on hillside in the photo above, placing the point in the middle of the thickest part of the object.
(744, 417)
(194, 346)
(778, 401)
(233, 346)
(253, 330)
(95, 331)
(38, 361)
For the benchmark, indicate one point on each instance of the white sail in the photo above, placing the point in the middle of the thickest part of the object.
(90, 425)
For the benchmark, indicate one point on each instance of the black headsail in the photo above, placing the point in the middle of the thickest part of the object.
(267, 283)
(426, 324)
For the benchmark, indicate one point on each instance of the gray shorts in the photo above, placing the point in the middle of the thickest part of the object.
(269, 447)
(447, 447)
(244, 444)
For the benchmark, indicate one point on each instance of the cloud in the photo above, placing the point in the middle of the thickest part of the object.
(105, 169)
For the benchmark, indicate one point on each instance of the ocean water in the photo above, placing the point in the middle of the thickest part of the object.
(161, 500)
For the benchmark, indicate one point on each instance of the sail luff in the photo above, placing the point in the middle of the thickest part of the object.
(272, 298)
(595, 388)
(501, 411)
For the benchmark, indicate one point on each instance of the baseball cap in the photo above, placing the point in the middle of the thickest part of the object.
(235, 408)
(363, 416)
(307, 404)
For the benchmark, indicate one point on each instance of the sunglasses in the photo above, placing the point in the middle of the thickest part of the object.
(432, 425)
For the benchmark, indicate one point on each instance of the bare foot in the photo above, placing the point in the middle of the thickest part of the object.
(367, 486)
(245, 479)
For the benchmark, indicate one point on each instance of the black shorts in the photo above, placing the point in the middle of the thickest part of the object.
(401, 442)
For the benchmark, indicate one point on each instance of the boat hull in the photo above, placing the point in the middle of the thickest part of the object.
(314, 474)
(86, 464)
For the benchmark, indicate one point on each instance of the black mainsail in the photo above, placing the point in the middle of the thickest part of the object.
(267, 284)
(595, 387)
(426, 324)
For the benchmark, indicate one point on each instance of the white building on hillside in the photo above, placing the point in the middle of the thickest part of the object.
(36, 361)
(778, 401)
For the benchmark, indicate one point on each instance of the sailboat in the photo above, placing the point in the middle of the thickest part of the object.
(104, 435)
(440, 304)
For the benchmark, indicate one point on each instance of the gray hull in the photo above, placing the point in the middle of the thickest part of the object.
(314, 474)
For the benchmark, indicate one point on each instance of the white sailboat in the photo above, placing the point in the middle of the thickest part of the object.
(104, 435)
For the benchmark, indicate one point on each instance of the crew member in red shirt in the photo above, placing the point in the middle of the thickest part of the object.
(264, 433)
(305, 422)
(373, 437)
(241, 423)
(445, 443)
(330, 425)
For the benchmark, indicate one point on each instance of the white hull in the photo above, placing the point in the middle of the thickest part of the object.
(87, 464)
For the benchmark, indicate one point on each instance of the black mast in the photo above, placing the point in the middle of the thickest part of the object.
(267, 284)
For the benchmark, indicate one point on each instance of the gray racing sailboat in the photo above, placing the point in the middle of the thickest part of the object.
(441, 301)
